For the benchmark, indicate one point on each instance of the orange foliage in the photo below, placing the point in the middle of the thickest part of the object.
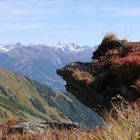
(85, 76)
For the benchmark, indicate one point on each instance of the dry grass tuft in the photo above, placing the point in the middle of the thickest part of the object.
(125, 125)
(110, 37)
(84, 76)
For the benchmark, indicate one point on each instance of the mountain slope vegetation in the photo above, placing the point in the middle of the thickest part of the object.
(28, 100)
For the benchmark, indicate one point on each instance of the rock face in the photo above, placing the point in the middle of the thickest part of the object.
(85, 93)
(112, 77)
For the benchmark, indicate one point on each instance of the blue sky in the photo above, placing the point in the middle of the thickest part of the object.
(79, 21)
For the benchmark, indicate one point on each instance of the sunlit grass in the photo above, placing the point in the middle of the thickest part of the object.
(122, 123)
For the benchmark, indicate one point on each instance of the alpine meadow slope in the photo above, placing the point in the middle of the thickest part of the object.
(28, 100)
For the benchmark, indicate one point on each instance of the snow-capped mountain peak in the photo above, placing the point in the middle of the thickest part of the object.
(41, 61)
(3, 48)
(8, 47)
(72, 47)
(59, 45)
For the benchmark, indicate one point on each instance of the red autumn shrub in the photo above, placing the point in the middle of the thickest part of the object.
(103, 62)
(134, 43)
(131, 60)
(127, 68)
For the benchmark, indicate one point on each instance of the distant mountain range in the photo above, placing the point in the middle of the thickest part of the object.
(28, 100)
(40, 62)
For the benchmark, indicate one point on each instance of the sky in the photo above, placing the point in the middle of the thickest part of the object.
(84, 22)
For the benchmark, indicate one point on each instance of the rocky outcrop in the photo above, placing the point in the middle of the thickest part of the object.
(112, 76)
(40, 127)
(86, 93)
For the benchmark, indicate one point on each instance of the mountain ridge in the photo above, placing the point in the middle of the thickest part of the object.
(65, 47)
(40, 62)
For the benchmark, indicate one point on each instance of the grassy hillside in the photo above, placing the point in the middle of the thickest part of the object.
(125, 127)
(26, 99)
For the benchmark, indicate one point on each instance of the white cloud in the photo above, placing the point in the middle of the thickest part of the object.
(131, 12)
(31, 14)
(21, 26)
(109, 9)
(16, 9)
(34, 14)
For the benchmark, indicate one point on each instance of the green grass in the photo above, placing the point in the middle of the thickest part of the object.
(26, 99)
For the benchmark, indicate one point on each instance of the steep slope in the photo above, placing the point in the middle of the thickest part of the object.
(112, 77)
(25, 99)
(40, 62)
